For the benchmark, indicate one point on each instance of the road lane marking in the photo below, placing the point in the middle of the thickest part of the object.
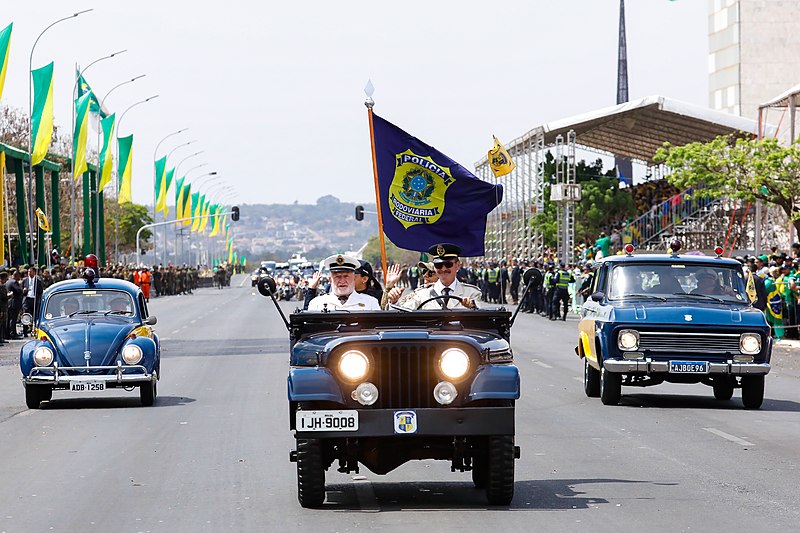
(576, 378)
(174, 332)
(541, 364)
(728, 436)
(366, 495)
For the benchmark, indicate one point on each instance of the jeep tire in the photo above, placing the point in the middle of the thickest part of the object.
(591, 379)
(610, 387)
(310, 473)
(752, 391)
(480, 471)
(500, 478)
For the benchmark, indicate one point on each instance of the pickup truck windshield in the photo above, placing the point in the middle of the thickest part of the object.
(677, 281)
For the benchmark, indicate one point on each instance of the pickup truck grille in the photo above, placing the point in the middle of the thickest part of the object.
(684, 342)
(405, 376)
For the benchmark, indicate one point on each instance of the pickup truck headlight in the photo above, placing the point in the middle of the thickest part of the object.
(132, 354)
(353, 365)
(750, 343)
(454, 363)
(42, 356)
(628, 340)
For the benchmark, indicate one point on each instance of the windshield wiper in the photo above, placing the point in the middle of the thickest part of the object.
(720, 300)
(652, 296)
(82, 313)
(117, 313)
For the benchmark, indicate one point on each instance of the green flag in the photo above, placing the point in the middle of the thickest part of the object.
(125, 168)
(80, 135)
(106, 157)
(42, 116)
(5, 45)
(94, 105)
(187, 204)
(179, 197)
(160, 182)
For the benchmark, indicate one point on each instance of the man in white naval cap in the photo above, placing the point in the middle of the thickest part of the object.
(343, 295)
(460, 295)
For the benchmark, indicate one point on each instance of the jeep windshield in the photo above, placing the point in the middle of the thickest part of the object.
(674, 281)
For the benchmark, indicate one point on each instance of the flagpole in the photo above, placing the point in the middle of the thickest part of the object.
(370, 103)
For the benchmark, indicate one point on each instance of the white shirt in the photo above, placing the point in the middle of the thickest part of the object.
(457, 289)
(355, 302)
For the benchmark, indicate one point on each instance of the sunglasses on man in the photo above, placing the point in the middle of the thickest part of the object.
(445, 264)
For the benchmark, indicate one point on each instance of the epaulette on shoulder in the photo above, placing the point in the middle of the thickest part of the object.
(471, 286)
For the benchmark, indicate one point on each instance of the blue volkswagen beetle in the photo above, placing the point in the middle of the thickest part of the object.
(91, 335)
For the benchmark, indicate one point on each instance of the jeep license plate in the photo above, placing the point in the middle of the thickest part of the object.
(87, 386)
(326, 420)
(688, 367)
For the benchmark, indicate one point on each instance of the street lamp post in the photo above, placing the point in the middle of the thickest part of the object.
(30, 130)
(155, 154)
(72, 153)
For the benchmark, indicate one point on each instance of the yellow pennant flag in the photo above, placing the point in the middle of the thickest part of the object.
(750, 288)
(2, 203)
(41, 219)
(499, 159)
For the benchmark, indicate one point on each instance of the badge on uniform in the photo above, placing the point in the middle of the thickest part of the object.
(405, 422)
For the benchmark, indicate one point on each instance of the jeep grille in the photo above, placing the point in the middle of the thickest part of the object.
(405, 376)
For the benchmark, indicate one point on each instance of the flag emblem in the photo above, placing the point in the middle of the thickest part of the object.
(405, 422)
(416, 195)
(499, 160)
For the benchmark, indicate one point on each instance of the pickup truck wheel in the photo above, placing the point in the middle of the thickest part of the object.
(34, 395)
(752, 391)
(610, 387)
(723, 388)
(480, 472)
(310, 474)
(500, 478)
(591, 380)
(147, 393)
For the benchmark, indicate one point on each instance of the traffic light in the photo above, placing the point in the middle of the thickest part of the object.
(359, 212)
(235, 213)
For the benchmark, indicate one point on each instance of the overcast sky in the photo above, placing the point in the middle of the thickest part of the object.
(273, 91)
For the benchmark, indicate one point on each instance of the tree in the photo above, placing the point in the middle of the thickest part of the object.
(372, 253)
(131, 218)
(746, 169)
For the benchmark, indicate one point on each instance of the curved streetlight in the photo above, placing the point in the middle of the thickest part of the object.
(72, 154)
(30, 132)
(185, 174)
(119, 122)
(155, 154)
(212, 175)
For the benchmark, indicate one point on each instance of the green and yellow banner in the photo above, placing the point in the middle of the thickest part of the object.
(179, 197)
(42, 117)
(5, 45)
(94, 105)
(195, 210)
(205, 212)
(125, 168)
(106, 156)
(167, 183)
(187, 204)
(216, 222)
(160, 184)
(80, 136)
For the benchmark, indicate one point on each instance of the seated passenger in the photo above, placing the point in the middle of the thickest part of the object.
(120, 305)
(707, 283)
(343, 295)
(70, 306)
(446, 265)
(667, 284)
(427, 273)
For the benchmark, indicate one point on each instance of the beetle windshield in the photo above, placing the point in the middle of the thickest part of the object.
(677, 281)
(89, 301)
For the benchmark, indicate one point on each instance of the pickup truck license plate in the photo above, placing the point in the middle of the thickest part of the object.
(326, 420)
(688, 367)
(87, 386)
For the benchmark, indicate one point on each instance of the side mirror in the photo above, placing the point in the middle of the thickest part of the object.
(150, 321)
(267, 286)
(598, 296)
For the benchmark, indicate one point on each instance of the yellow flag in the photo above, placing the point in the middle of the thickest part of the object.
(2, 203)
(499, 159)
(750, 289)
(41, 219)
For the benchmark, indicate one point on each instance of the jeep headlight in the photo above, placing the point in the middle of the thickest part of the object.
(628, 340)
(353, 365)
(750, 343)
(42, 356)
(454, 363)
(132, 354)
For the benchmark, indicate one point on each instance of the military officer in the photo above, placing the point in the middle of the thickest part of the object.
(446, 264)
(343, 295)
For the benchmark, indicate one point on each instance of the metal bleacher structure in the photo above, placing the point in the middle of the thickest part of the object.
(633, 130)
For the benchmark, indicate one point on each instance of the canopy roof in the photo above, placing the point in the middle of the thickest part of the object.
(638, 128)
(782, 100)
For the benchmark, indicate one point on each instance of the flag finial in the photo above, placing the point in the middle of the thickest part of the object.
(369, 90)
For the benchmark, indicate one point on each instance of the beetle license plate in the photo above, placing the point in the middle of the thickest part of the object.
(326, 420)
(688, 367)
(87, 386)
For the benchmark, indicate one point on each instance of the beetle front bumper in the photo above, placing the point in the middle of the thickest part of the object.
(466, 421)
(627, 366)
(58, 376)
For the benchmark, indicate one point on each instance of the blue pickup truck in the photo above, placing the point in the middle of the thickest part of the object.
(674, 318)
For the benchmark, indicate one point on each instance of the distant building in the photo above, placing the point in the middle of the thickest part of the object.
(753, 53)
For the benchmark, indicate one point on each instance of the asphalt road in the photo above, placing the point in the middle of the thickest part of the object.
(212, 454)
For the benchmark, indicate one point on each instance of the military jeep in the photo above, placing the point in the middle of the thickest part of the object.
(381, 388)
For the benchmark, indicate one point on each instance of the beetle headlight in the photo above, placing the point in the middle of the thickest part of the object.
(750, 343)
(454, 363)
(42, 356)
(628, 339)
(353, 365)
(132, 354)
